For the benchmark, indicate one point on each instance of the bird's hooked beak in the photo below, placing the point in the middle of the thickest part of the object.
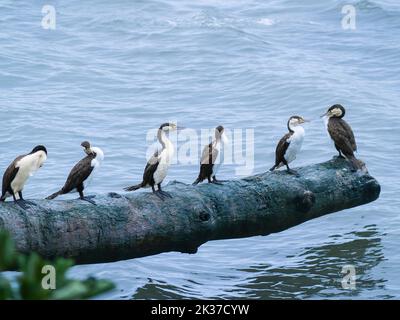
(306, 120)
(325, 114)
(174, 127)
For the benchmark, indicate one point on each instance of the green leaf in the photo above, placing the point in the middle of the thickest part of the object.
(33, 277)
(30, 281)
(7, 251)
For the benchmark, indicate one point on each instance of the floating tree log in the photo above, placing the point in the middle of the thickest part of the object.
(140, 224)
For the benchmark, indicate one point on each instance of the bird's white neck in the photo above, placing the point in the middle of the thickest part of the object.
(99, 153)
(40, 157)
(166, 143)
(221, 140)
(298, 130)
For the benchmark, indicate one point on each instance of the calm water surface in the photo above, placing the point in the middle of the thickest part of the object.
(114, 69)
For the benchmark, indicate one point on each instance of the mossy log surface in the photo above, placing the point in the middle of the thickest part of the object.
(125, 226)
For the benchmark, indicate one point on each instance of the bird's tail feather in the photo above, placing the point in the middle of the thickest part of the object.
(355, 163)
(55, 194)
(133, 188)
(198, 180)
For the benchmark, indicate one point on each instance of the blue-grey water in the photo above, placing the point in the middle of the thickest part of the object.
(112, 70)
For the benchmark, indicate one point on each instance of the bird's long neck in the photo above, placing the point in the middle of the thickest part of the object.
(164, 141)
(290, 127)
(97, 153)
(35, 160)
(296, 129)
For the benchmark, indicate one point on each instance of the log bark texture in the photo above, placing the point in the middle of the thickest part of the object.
(125, 226)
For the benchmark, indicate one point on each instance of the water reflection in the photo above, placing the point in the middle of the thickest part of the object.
(314, 273)
(318, 271)
(161, 290)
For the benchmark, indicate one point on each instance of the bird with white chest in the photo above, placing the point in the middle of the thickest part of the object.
(212, 157)
(157, 167)
(290, 144)
(82, 173)
(18, 173)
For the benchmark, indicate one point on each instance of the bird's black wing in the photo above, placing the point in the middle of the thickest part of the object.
(150, 168)
(342, 135)
(350, 134)
(281, 148)
(79, 173)
(208, 158)
(209, 155)
(9, 175)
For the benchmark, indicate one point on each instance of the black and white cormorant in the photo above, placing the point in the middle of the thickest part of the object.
(342, 134)
(209, 163)
(18, 172)
(157, 167)
(290, 144)
(82, 173)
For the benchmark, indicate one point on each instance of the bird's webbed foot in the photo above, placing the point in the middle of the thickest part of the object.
(31, 203)
(217, 181)
(293, 172)
(88, 199)
(164, 193)
(114, 195)
(159, 195)
(25, 205)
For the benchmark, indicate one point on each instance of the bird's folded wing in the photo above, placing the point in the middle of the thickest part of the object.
(342, 135)
(209, 155)
(283, 145)
(79, 173)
